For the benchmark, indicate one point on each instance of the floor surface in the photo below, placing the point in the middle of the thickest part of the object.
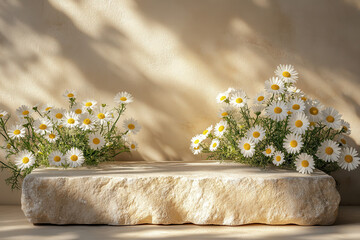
(14, 226)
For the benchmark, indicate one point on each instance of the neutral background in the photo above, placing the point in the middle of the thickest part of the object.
(174, 57)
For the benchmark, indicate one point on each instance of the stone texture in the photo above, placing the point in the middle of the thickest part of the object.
(204, 192)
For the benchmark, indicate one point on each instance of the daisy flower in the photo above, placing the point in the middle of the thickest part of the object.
(195, 141)
(222, 97)
(286, 73)
(42, 126)
(341, 139)
(88, 104)
(313, 111)
(57, 115)
(295, 90)
(96, 141)
(23, 111)
(269, 151)
(349, 159)
(3, 113)
(87, 122)
(256, 133)
(123, 98)
(196, 149)
(247, 147)
(51, 137)
(296, 105)
(220, 128)
(74, 157)
(328, 151)
(345, 127)
(277, 111)
(16, 132)
(274, 86)
(46, 108)
(298, 123)
(71, 120)
(238, 98)
(257, 109)
(231, 90)
(24, 159)
(77, 109)
(260, 98)
(207, 131)
(56, 158)
(331, 118)
(102, 116)
(214, 144)
(304, 163)
(69, 94)
(133, 146)
(132, 126)
(293, 143)
(225, 111)
(278, 158)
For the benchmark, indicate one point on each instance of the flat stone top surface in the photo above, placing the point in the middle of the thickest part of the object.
(196, 169)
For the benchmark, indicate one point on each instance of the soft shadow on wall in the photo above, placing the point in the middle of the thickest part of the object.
(174, 56)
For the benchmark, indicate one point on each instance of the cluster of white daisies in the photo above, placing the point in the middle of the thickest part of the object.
(295, 117)
(94, 120)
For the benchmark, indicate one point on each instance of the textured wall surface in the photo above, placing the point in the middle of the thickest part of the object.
(174, 56)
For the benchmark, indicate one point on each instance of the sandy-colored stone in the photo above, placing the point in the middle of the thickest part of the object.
(179, 192)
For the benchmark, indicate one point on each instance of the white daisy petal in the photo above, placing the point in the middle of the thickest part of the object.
(96, 141)
(269, 151)
(74, 157)
(123, 98)
(296, 105)
(42, 126)
(349, 159)
(277, 111)
(274, 86)
(71, 119)
(195, 141)
(24, 159)
(293, 143)
(220, 128)
(133, 146)
(238, 98)
(132, 126)
(286, 73)
(256, 133)
(56, 158)
(247, 147)
(278, 158)
(305, 163)
(298, 123)
(24, 111)
(87, 122)
(214, 144)
(329, 151)
(70, 93)
(16, 132)
(222, 97)
(331, 118)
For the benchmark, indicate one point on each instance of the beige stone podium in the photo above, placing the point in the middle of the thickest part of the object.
(203, 192)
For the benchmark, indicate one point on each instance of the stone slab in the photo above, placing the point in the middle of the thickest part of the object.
(205, 192)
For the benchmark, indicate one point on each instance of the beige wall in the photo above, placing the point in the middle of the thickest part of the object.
(174, 56)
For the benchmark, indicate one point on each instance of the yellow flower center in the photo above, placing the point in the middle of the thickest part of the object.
(314, 111)
(289, 112)
(43, 126)
(214, 144)
(74, 158)
(247, 146)
(286, 74)
(71, 121)
(298, 123)
(60, 126)
(196, 141)
(52, 136)
(239, 100)
(25, 160)
(345, 128)
(256, 134)
(87, 121)
(343, 141)
(88, 104)
(205, 132)
(278, 158)
(224, 114)
(296, 107)
(26, 112)
(1, 115)
(131, 126)
(195, 148)
(222, 98)
(17, 132)
(304, 163)
(221, 128)
(123, 99)
(312, 124)
(277, 110)
(59, 115)
(260, 98)
(8, 146)
(329, 150)
(78, 111)
(96, 141)
(133, 146)
(57, 159)
(293, 143)
(330, 119)
(304, 98)
(275, 87)
(48, 108)
(101, 116)
(70, 95)
(348, 158)
(268, 151)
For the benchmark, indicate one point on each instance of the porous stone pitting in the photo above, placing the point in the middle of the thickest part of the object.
(179, 192)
